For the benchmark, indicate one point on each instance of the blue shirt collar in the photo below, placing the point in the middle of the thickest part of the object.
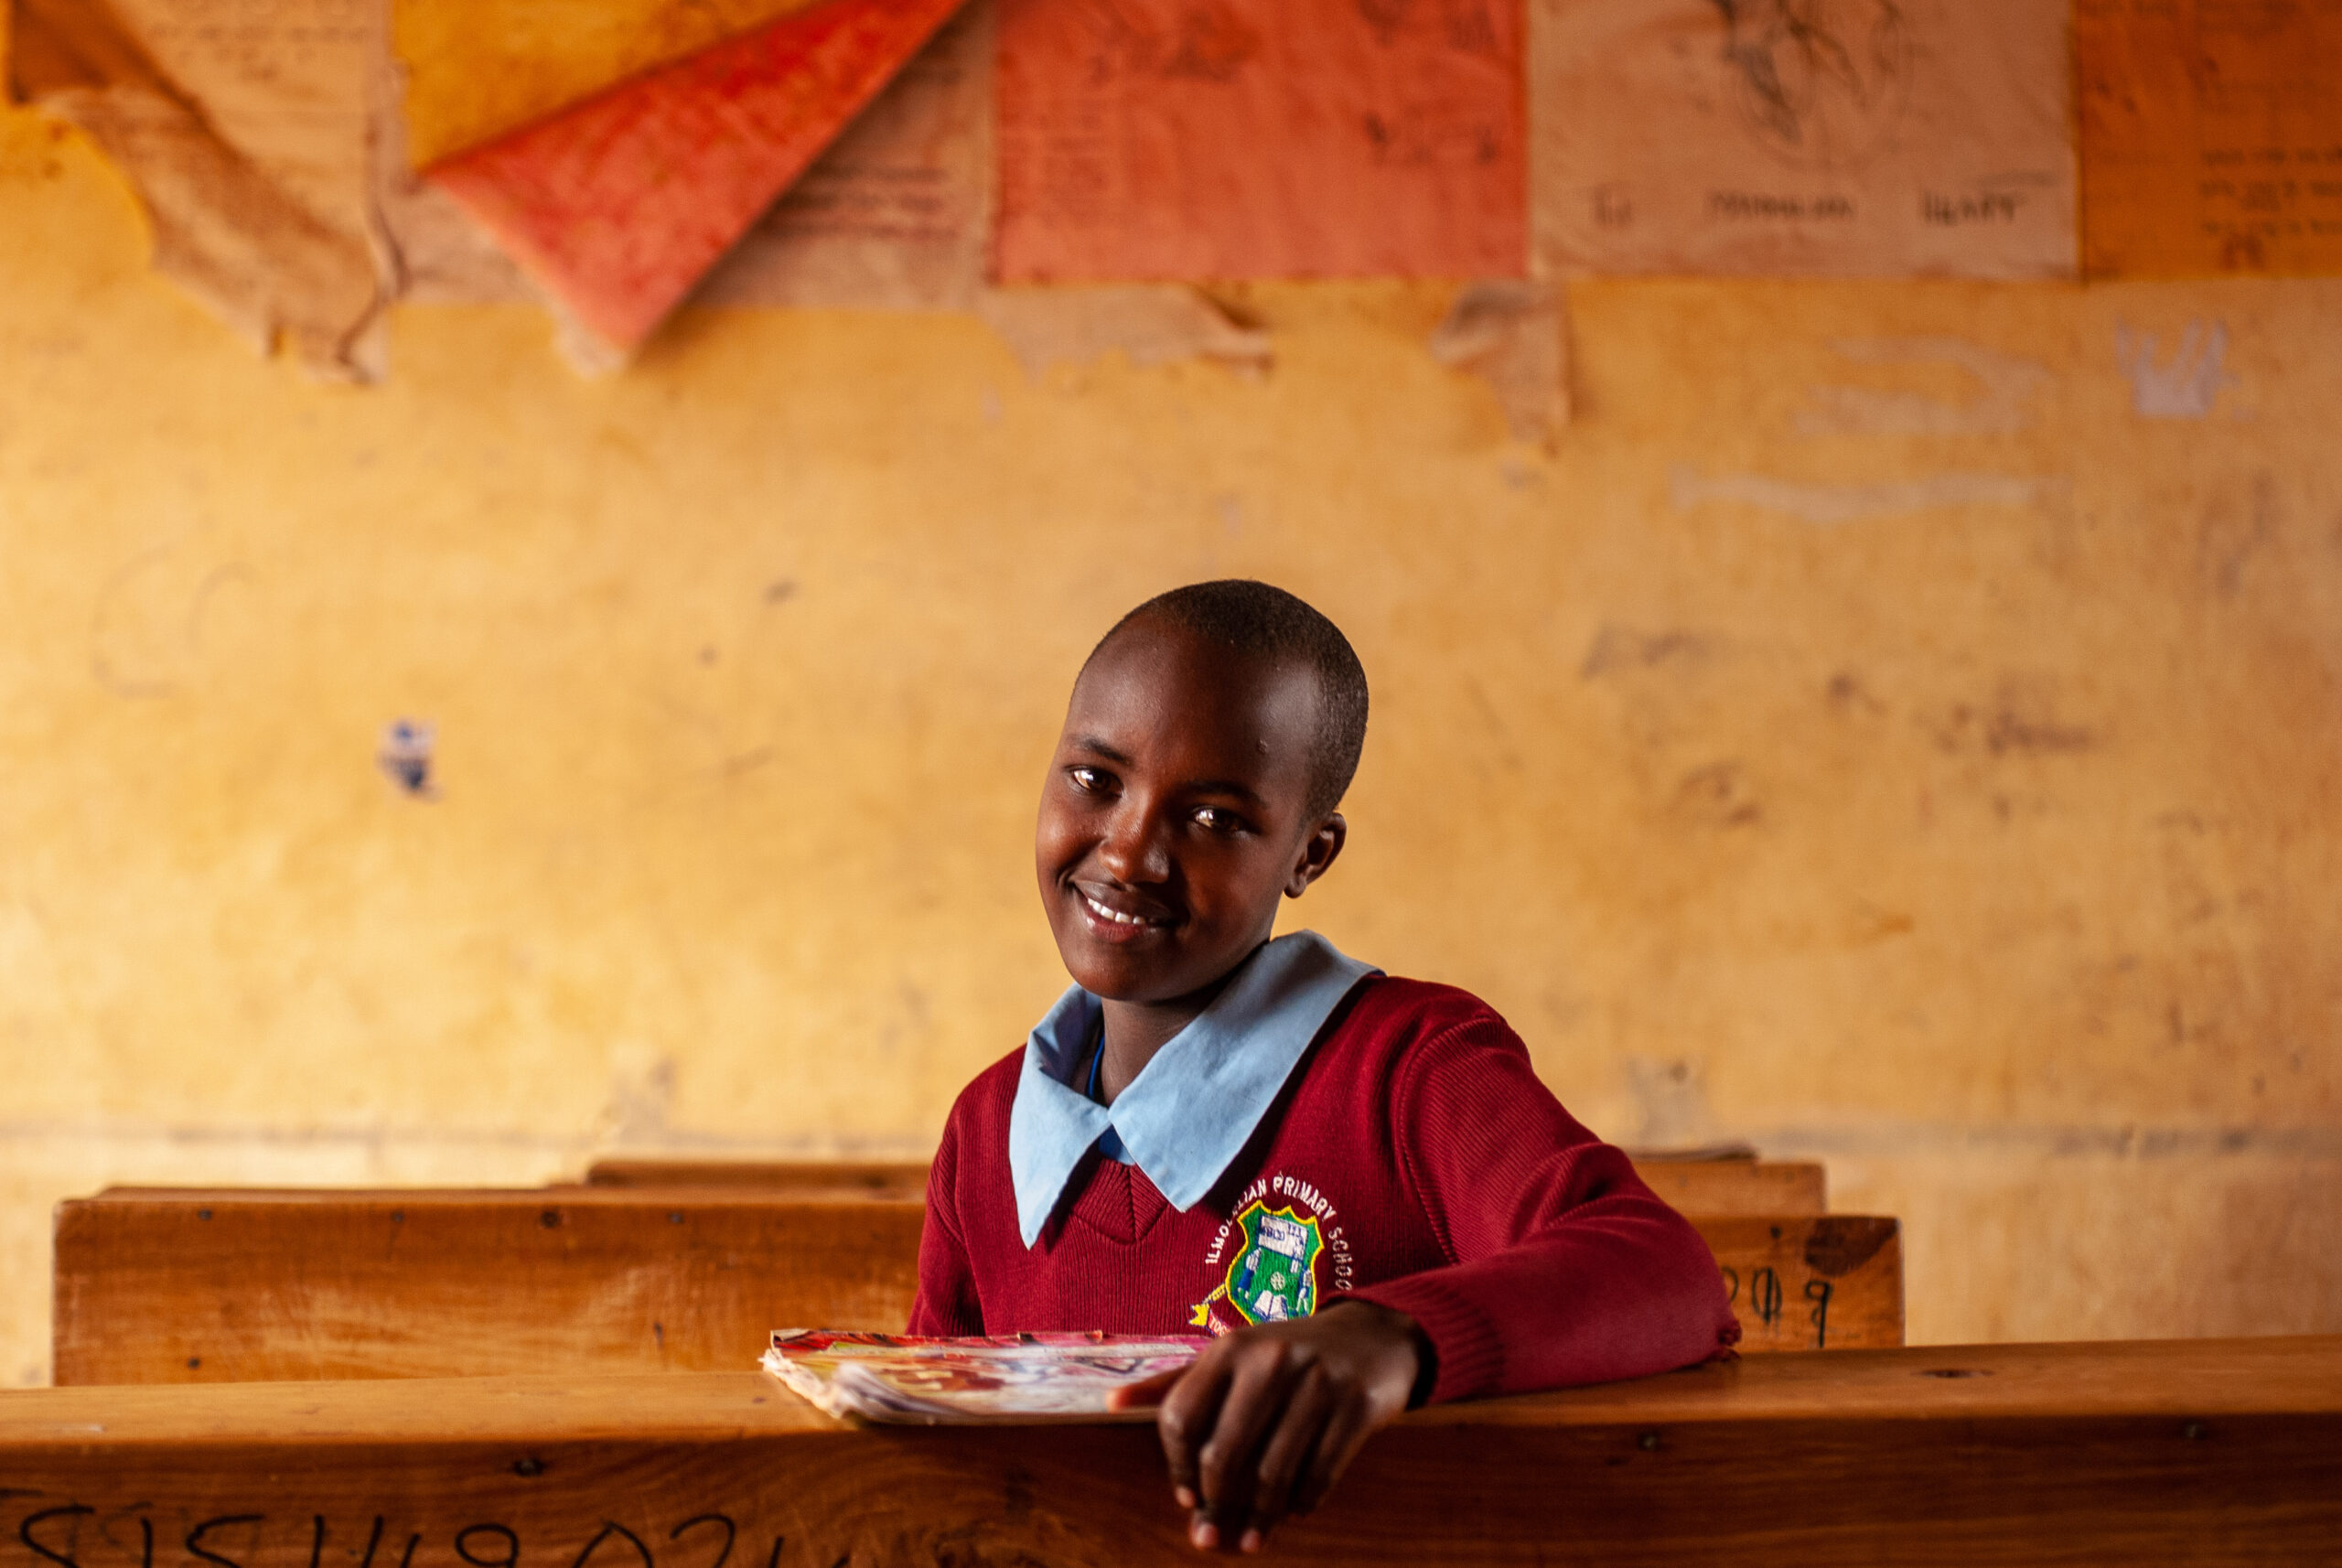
(1186, 1116)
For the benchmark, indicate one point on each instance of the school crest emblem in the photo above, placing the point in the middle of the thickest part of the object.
(1274, 1275)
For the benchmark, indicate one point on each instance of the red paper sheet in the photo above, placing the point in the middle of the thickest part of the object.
(1145, 139)
(618, 207)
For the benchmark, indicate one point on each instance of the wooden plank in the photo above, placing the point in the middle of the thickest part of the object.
(2145, 1454)
(878, 1178)
(154, 1285)
(1699, 1184)
(196, 1286)
(1695, 1183)
(1812, 1281)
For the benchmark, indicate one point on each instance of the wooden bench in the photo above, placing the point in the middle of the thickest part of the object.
(868, 1178)
(1695, 1181)
(164, 1285)
(2141, 1454)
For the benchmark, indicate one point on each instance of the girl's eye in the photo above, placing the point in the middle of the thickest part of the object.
(1088, 779)
(1219, 819)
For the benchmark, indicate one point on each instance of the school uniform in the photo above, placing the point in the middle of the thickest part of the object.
(1320, 1132)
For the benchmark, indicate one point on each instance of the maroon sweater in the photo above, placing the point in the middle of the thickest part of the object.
(1415, 1160)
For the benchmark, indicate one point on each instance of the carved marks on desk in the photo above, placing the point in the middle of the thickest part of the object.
(1764, 1303)
(1830, 1281)
(74, 1534)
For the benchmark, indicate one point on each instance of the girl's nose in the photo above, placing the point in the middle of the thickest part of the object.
(1132, 850)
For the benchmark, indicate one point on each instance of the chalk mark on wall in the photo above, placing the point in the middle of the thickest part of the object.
(2234, 530)
(2185, 387)
(1616, 647)
(145, 638)
(1672, 1098)
(1831, 505)
(2005, 384)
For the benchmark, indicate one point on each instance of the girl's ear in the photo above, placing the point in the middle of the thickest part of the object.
(1318, 852)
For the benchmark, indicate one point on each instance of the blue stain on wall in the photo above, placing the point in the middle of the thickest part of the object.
(405, 758)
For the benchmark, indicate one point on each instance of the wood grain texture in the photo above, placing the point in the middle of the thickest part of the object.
(883, 1178)
(1695, 1186)
(1811, 1282)
(154, 1285)
(1706, 1186)
(229, 1286)
(2145, 1454)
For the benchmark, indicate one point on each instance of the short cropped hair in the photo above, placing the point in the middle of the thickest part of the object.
(1265, 622)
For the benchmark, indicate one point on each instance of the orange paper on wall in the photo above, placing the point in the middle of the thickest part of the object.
(1150, 139)
(618, 207)
(2211, 138)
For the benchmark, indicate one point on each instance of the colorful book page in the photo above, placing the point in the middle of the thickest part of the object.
(2211, 138)
(478, 68)
(616, 207)
(1802, 138)
(1203, 139)
(895, 214)
(1009, 1378)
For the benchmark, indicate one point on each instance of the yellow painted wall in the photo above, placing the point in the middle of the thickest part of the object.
(1868, 734)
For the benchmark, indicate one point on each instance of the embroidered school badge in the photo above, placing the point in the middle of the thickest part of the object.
(1273, 1276)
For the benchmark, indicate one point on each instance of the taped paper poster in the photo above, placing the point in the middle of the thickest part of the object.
(243, 125)
(1202, 139)
(1802, 138)
(894, 214)
(478, 68)
(1514, 335)
(2211, 138)
(616, 207)
(437, 252)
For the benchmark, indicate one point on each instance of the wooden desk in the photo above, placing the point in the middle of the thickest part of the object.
(1696, 1184)
(2141, 1455)
(173, 1286)
(177, 1285)
(869, 1178)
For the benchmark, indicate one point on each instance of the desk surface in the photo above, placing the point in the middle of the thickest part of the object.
(2146, 1455)
(2195, 1379)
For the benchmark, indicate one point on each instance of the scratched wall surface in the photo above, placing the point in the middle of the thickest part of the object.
(1899, 724)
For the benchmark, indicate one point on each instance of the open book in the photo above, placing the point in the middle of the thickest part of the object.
(1006, 1378)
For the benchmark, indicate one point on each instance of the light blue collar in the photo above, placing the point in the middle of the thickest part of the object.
(1190, 1112)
